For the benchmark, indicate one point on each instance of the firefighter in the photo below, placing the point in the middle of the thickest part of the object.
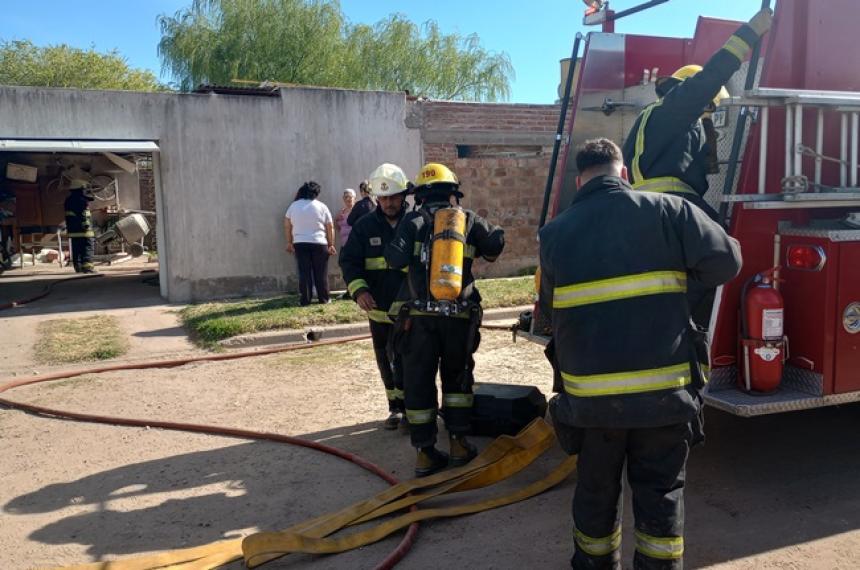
(672, 145)
(614, 270)
(79, 225)
(436, 334)
(372, 284)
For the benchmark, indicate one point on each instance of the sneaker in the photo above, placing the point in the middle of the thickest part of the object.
(393, 421)
(462, 452)
(430, 460)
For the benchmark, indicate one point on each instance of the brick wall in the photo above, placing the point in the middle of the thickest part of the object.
(501, 154)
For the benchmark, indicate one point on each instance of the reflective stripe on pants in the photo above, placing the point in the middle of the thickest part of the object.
(663, 548)
(601, 546)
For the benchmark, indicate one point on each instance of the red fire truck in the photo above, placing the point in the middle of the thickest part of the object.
(785, 334)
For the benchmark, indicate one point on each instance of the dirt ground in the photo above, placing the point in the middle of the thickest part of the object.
(777, 492)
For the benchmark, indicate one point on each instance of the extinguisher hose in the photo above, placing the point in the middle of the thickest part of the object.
(744, 324)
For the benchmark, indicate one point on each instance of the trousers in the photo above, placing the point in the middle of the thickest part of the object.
(391, 372)
(656, 460)
(83, 249)
(312, 259)
(434, 344)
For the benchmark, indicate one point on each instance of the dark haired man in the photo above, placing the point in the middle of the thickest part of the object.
(363, 206)
(614, 272)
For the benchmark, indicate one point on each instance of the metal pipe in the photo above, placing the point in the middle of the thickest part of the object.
(762, 150)
(752, 71)
(843, 150)
(819, 145)
(560, 130)
(798, 140)
(854, 132)
(789, 136)
(639, 8)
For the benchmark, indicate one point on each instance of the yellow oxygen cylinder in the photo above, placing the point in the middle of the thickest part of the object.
(446, 254)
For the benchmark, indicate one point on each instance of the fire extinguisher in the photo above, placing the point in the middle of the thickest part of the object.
(763, 345)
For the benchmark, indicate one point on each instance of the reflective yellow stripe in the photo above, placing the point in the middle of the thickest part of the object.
(71, 214)
(88, 234)
(394, 394)
(664, 184)
(375, 263)
(737, 47)
(416, 248)
(421, 416)
(651, 283)
(469, 251)
(640, 141)
(598, 546)
(378, 316)
(664, 548)
(458, 400)
(355, 285)
(632, 382)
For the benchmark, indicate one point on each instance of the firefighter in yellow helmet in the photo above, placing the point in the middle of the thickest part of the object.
(439, 312)
(672, 145)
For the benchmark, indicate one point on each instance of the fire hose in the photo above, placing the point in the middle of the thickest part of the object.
(502, 459)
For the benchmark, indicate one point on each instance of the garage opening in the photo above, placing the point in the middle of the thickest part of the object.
(119, 185)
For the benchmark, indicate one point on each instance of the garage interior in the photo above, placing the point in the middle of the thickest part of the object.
(34, 182)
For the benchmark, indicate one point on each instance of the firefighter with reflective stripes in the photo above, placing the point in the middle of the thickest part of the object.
(79, 225)
(372, 283)
(615, 267)
(672, 145)
(435, 334)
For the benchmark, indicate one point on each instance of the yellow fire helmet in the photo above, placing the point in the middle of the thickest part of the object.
(434, 173)
(388, 180)
(688, 71)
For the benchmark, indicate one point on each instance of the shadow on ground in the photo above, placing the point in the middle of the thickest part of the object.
(758, 485)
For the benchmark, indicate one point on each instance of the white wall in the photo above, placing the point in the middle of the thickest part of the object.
(229, 167)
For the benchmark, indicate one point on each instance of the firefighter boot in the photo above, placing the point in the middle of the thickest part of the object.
(430, 461)
(462, 451)
(393, 421)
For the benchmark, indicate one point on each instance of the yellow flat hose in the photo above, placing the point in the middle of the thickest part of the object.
(503, 458)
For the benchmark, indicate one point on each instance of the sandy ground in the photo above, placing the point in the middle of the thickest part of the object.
(780, 492)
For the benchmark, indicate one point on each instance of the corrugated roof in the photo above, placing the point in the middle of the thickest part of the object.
(259, 91)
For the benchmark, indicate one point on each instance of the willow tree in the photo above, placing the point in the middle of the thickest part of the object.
(310, 42)
(24, 63)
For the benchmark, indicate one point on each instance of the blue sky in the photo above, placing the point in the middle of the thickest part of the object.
(535, 34)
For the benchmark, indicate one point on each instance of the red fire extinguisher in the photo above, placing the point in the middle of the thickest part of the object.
(763, 343)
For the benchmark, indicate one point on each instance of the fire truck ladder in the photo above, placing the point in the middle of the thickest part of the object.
(799, 188)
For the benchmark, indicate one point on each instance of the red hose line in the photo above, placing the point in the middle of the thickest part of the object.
(389, 562)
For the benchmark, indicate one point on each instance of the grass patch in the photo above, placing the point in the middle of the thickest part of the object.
(80, 340)
(210, 322)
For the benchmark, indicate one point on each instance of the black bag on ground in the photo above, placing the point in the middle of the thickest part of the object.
(505, 408)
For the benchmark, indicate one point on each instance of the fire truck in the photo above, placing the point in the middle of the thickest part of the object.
(785, 334)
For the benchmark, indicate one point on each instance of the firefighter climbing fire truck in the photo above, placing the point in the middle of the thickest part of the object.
(785, 334)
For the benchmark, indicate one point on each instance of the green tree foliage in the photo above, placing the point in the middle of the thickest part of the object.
(309, 42)
(23, 63)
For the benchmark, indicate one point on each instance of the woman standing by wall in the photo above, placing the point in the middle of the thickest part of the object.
(309, 230)
(340, 220)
